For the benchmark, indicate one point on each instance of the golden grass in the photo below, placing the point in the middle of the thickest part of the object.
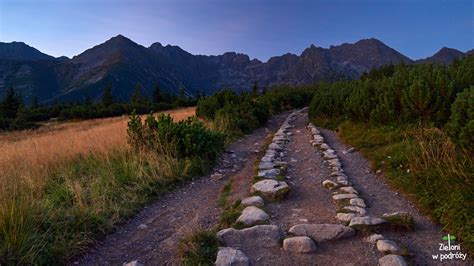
(28, 154)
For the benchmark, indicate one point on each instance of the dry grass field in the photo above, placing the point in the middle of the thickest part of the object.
(32, 153)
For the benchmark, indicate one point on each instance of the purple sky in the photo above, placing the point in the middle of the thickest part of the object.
(258, 28)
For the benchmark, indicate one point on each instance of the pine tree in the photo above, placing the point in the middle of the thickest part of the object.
(420, 100)
(156, 96)
(11, 103)
(34, 102)
(136, 99)
(107, 98)
(254, 89)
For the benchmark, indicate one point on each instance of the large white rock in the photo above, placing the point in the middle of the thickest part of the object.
(133, 263)
(387, 246)
(231, 257)
(253, 201)
(392, 260)
(322, 232)
(271, 189)
(252, 215)
(261, 235)
(299, 244)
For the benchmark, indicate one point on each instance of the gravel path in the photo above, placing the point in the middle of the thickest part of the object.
(169, 218)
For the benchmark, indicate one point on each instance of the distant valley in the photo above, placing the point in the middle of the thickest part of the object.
(124, 63)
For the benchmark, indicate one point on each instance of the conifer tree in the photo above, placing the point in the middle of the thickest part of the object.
(107, 98)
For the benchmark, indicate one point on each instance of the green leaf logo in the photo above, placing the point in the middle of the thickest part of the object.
(449, 237)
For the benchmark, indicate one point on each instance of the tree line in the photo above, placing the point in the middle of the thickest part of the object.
(15, 115)
(439, 95)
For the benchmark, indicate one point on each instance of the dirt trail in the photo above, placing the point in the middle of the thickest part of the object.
(194, 205)
(169, 218)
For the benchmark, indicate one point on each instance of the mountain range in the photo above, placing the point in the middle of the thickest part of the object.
(124, 63)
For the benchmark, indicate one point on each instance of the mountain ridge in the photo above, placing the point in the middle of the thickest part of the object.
(123, 62)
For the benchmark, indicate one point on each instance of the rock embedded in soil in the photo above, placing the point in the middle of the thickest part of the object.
(252, 215)
(271, 189)
(365, 222)
(216, 176)
(392, 260)
(387, 246)
(355, 209)
(229, 256)
(374, 238)
(345, 217)
(344, 196)
(357, 202)
(274, 146)
(259, 235)
(253, 201)
(330, 184)
(348, 190)
(133, 263)
(266, 165)
(299, 244)
(271, 173)
(322, 232)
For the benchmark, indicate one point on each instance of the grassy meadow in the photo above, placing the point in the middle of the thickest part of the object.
(65, 184)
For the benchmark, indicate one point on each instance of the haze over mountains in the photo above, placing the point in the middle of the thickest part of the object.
(125, 63)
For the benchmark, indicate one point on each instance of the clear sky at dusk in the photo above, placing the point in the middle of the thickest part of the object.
(258, 28)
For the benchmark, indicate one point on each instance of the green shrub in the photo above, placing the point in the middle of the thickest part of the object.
(187, 140)
(461, 123)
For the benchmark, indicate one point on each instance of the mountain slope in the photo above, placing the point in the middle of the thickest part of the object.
(444, 56)
(21, 51)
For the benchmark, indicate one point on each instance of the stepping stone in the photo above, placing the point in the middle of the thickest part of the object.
(266, 165)
(358, 202)
(374, 238)
(392, 260)
(330, 184)
(335, 162)
(324, 146)
(344, 196)
(267, 158)
(229, 256)
(253, 201)
(355, 209)
(274, 146)
(387, 246)
(365, 222)
(345, 217)
(349, 190)
(133, 263)
(322, 232)
(271, 189)
(329, 156)
(261, 235)
(299, 244)
(270, 173)
(252, 215)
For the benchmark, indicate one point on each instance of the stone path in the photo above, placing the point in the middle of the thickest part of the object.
(318, 212)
